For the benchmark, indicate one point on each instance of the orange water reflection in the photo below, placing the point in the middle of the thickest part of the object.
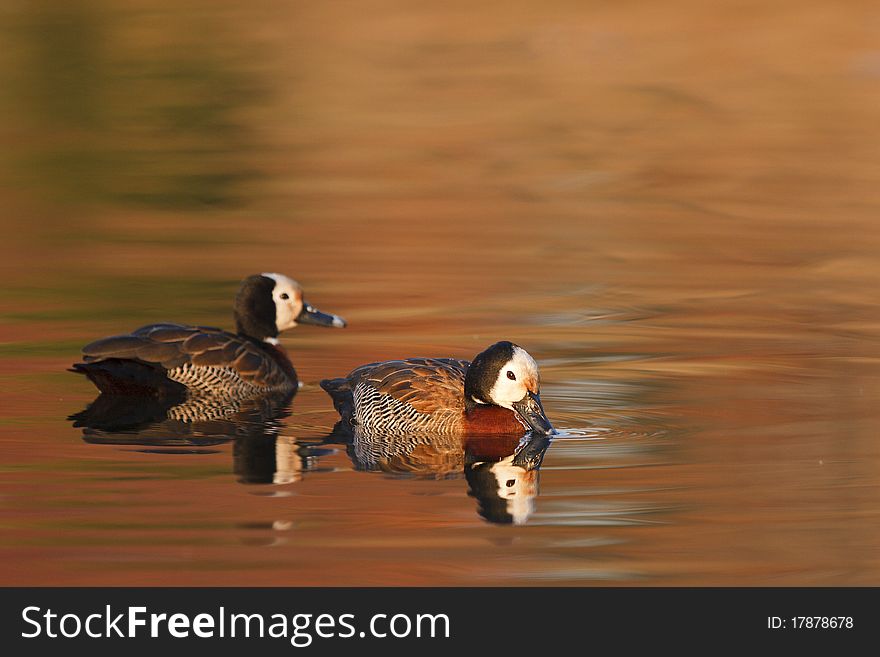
(673, 208)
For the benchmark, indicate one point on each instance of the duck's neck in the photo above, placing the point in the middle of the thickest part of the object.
(254, 327)
(278, 353)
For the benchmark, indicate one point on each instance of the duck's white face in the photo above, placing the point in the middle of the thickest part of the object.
(516, 379)
(288, 298)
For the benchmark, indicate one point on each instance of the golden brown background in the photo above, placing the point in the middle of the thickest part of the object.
(673, 206)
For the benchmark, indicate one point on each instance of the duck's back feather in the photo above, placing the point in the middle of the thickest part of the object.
(404, 395)
(205, 360)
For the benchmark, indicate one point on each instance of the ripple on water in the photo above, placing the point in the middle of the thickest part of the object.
(597, 513)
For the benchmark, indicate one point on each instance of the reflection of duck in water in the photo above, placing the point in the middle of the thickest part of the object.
(505, 486)
(498, 393)
(278, 460)
(501, 471)
(169, 419)
(430, 456)
(177, 361)
(260, 454)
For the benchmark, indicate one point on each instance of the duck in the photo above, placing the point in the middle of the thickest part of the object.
(183, 362)
(496, 393)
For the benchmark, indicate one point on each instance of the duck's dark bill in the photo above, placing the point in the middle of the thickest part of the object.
(530, 410)
(311, 315)
(530, 452)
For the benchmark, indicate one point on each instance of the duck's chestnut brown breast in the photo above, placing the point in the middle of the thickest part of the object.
(492, 419)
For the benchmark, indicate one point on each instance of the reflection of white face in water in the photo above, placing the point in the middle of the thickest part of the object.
(518, 487)
(288, 462)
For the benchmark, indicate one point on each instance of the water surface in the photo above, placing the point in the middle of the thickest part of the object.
(674, 209)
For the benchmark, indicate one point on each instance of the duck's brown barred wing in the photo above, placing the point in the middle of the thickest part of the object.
(428, 385)
(180, 348)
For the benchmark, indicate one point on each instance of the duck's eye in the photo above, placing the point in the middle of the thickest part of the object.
(284, 296)
(511, 375)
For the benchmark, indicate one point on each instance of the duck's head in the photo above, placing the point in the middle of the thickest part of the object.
(506, 375)
(267, 304)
